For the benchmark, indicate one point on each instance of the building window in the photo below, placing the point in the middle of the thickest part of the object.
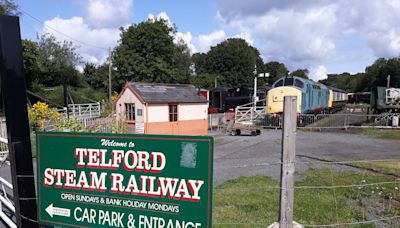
(173, 113)
(129, 111)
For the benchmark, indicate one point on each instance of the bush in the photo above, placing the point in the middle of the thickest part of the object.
(40, 115)
(71, 124)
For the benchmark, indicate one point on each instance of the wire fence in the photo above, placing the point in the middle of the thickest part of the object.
(327, 196)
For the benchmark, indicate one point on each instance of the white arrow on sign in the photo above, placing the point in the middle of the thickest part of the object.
(58, 211)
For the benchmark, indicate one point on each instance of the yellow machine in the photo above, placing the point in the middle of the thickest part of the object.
(276, 96)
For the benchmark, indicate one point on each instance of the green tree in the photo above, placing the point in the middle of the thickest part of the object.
(8, 7)
(378, 72)
(96, 76)
(207, 81)
(234, 59)
(276, 70)
(147, 53)
(303, 73)
(199, 61)
(344, 81)
(33, 64)
(59, 62)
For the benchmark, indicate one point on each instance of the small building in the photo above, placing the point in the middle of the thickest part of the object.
(152, 108)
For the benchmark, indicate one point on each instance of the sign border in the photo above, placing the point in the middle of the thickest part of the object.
(208, 139)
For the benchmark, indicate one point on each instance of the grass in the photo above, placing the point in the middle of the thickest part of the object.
(385, 167)
(254, 201)
(382, 134)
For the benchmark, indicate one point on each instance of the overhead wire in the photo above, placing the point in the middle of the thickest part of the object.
(59, 32)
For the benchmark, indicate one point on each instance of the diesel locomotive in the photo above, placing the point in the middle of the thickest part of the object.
(312, 97)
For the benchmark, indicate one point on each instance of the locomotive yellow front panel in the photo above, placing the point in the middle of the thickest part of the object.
(330, 100)
(276, 97)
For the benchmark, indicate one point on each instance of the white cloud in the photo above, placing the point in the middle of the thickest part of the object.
(306, 33)
(94, 42)
(200, 43)
(108, 13)
(204, 42)
(162, 15)
(96, 31)
(318, 73)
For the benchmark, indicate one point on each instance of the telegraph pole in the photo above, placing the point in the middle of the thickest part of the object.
(109, 79)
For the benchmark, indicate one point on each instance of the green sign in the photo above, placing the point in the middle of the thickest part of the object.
(134, 181)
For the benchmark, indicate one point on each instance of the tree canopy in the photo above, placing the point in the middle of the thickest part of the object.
(302, 73)
(49, 62)
(276, 70)
(147, 53)
(233, 59)
(8, 7)
(375, 75)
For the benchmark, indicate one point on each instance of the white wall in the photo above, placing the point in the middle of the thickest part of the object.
(129, 97)
(158, 113)
(192, 112)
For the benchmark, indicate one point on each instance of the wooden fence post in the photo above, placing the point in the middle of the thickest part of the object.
(288, 158)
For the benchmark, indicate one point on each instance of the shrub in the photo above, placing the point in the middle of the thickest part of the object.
(40, 115)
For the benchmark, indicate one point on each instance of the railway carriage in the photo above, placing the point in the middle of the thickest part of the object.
(337, 99)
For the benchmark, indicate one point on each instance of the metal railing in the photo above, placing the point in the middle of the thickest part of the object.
(6, 203)
(319, 121)
(83, 111)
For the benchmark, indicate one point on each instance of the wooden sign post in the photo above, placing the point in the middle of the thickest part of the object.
(288, 158)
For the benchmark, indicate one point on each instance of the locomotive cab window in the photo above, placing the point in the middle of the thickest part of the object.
(289, 81)
(279, 83)
(298, 83)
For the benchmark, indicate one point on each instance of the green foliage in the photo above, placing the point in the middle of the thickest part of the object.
(59, 62)
(8, 7)
(71, 124)
(207, 81)
(119, 127)
(375, 75)
(276, 70)
(302, 73)
(147, 53)
(40, 113)
(33, 63)
(96, 76)
(344, 81)
(234, 59)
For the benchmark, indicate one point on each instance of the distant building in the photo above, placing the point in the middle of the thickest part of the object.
(162, 109)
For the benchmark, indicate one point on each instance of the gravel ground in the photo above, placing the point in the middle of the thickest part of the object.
(247, 156)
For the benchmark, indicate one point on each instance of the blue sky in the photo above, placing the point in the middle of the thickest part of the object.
(321, 35)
